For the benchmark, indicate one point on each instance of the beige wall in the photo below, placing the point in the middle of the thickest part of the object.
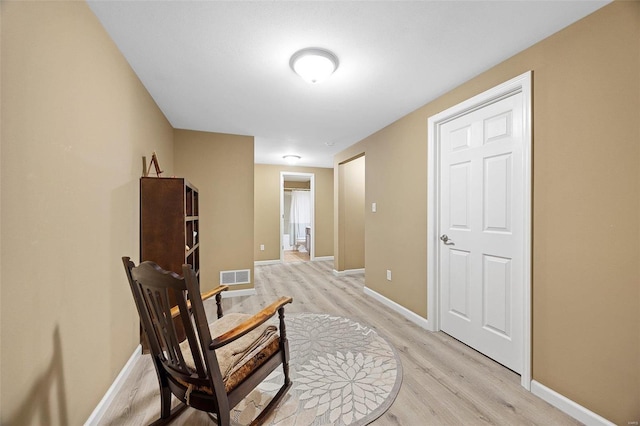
(76, 121)
(350, 229)
(75, 124)
(221, 167)
(586, 207)
(267, 210)
(395, 156)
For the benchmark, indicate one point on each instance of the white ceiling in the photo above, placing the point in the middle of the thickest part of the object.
(223, 66)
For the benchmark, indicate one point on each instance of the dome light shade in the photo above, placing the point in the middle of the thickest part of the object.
(314, 65)
(291, 159)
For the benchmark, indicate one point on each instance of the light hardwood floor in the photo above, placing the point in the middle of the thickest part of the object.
(295, 256)
(444, 381)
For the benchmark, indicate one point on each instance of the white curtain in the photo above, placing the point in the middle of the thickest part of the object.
(300, 215)
(287, 221)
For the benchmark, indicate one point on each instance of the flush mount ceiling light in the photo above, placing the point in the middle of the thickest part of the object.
(291, 159)
(314, 65)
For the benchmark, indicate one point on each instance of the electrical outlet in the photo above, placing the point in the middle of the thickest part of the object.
(261, 247)
(388, 274)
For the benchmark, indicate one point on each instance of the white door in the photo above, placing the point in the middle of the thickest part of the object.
(481, 231)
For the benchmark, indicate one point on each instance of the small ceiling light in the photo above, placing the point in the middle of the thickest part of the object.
(314, 65)
(291, 159)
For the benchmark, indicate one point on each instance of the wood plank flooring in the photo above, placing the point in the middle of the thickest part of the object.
(444, 381)
(296, 256)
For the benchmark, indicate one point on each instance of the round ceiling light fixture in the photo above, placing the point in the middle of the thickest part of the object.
(291, 159)
(313, 64)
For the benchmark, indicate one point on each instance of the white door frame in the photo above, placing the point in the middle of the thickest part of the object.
(520, 84)
(312, 203)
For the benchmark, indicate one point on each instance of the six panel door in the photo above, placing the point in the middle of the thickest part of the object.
(481, 161)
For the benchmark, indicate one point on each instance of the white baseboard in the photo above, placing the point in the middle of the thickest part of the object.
(266, 262)
(114, 389)
(570, 407)
(411, 316)
(277, 261)
(575, 410)
(238, 293)
(348, 272)
(321, 258)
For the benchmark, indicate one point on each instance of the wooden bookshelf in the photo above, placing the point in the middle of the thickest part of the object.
(169, 224)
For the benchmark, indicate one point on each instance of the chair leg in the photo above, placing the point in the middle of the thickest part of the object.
(165, 402)
(224, 418)
(272, 404)
(172, 414)
(277, 397)
(285, 368)
(284, 346)
(166, 413)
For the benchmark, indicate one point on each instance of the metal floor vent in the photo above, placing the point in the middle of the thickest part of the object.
(242, 276)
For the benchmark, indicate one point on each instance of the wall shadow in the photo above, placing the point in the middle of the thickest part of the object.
(46, 401)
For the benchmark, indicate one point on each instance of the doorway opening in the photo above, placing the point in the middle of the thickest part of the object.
(351, 216)
(297, 195)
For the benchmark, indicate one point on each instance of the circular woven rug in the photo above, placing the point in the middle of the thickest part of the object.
(343, 373)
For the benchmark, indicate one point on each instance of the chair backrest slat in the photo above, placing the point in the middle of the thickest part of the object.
(200, 317)
(157, 293)
(190, 329)
(197, 307)
(152, 288)
(157, 301)
(143, 309)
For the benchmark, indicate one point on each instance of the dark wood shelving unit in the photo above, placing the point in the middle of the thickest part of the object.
(169, 224)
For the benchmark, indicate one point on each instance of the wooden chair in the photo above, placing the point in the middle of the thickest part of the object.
(209, 374)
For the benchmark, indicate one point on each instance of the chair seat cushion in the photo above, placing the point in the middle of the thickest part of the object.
(240, 357)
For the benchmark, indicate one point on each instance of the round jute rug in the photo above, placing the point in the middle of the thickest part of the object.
(343, 373)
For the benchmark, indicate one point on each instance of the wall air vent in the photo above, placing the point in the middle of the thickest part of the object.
(242, 276)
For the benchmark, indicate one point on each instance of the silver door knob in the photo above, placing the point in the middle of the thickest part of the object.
(445, 239)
